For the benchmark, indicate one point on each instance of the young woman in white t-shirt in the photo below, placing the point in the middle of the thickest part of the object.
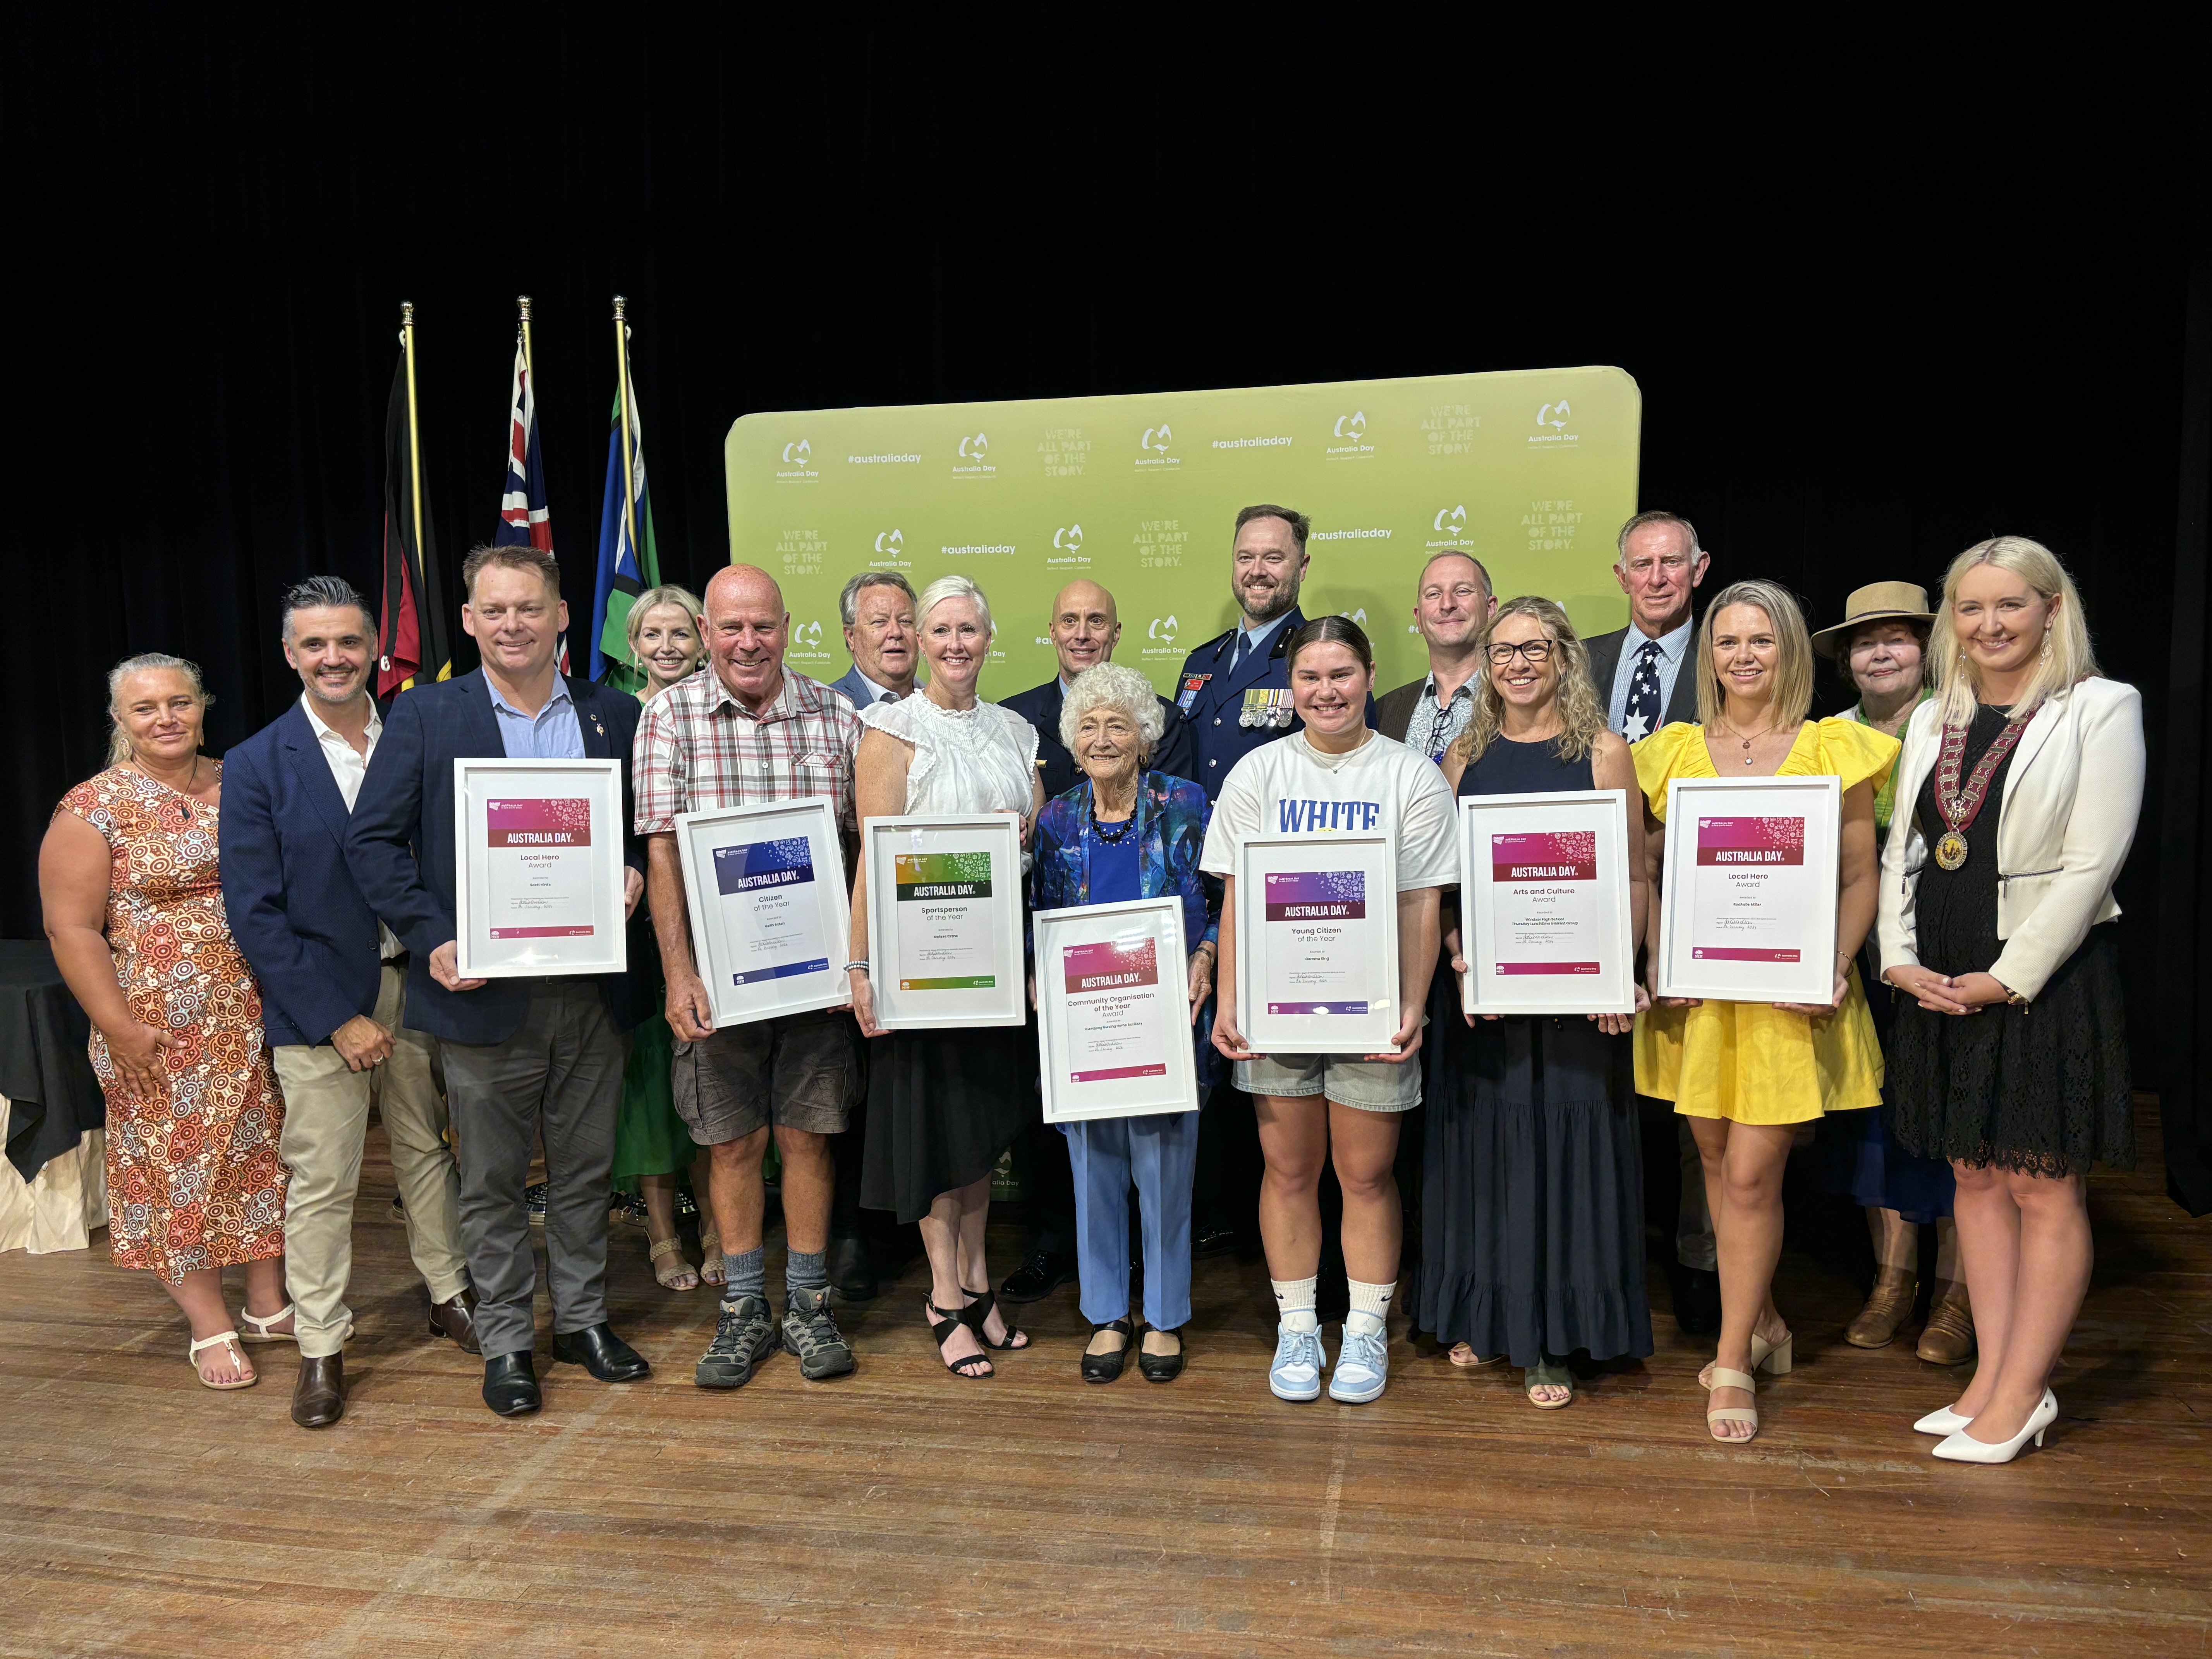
(1335, 776)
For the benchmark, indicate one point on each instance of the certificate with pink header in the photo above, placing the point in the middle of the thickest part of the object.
(1750, 890)
(1317, 944)
(1113, 1029)
(538, 878)
(1545, 923)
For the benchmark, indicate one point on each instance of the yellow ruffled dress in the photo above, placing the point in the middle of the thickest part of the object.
(1750, 1062)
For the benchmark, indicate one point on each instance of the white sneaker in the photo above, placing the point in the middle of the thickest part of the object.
(1362, 1365)
(1299, 1361)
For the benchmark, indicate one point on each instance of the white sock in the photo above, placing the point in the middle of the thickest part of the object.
(1294, 1301)
(1371, 1308)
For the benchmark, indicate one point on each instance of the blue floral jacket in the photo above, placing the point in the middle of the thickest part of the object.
(1170, 828)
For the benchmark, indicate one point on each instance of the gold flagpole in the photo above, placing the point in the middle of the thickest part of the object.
(629, 462)
(414, 440)
(529, 366)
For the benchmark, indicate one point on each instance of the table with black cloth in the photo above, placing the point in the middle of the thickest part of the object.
(54, 1099)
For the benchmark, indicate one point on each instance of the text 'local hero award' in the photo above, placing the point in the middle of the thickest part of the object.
(1547, 927)
(538, 878)
(1749, 905)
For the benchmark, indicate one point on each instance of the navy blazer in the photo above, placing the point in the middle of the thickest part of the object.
(401, 842)
(1040, 705)
(1212, 701)
(295, 911)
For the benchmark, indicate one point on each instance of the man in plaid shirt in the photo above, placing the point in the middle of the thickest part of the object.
(745, 730)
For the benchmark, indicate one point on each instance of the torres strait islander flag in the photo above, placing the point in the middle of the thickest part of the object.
(410, 634)
(525, 517)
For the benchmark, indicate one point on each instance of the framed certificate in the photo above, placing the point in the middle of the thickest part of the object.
(1747, 907)
(1317, 944)
(771, 922)
(1545, 921)
(1113, 1030)
(945, 920)
(537, 871)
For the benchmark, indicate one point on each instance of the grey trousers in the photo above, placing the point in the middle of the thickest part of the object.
(559, 1076)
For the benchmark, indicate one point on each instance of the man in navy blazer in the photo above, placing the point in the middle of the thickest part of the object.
(522, 1056)
(877, 608)
(333, 994)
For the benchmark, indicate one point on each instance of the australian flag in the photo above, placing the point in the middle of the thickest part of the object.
(525, 517)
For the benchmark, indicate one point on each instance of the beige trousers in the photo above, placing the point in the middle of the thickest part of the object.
(326, 1117)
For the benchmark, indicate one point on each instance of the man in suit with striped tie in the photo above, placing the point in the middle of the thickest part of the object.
(1645, 680)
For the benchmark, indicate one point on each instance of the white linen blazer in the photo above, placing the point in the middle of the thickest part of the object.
(2067, 817)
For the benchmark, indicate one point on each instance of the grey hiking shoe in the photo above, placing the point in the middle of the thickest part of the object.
(743, 1336)
(810, 1332)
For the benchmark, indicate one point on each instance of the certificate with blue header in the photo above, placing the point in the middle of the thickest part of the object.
(765, 887)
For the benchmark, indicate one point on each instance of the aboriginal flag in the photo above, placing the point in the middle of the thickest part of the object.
(411, 638)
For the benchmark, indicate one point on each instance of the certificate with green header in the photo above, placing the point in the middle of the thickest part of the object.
(945, 920)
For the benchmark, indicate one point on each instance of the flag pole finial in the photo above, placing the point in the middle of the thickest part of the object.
(523, 300)
(629, 430)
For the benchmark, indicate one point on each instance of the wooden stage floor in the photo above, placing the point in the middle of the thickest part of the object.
(900, 1510)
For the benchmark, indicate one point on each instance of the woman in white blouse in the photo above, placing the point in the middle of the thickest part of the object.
(944, 1104)
(2020, 783)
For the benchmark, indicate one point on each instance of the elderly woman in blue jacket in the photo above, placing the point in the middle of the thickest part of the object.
(1125, 833)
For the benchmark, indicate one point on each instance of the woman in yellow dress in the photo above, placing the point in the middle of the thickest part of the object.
(1747, 1073)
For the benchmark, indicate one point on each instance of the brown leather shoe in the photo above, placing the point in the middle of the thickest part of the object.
(1888, 1307)
(457, 1319)
(1948, 1337)
(318, 1397)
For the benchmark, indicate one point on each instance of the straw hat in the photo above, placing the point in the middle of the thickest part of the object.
(1875, 602)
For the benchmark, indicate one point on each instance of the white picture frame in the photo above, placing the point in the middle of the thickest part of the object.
(1754, 921)
(1545, 922)
(771, 920)
(1104, 1050)
(973, 941)
(538, 868)
(1329, 943)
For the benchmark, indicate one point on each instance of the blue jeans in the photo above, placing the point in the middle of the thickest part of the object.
(1159, 1153)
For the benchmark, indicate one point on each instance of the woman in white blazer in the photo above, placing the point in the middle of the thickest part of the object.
(2018, 791)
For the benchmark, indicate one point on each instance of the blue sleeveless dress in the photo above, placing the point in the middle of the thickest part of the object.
(1532, 1192)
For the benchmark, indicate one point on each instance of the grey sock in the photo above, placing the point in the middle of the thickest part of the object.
(806, 1270)
(748, 1274)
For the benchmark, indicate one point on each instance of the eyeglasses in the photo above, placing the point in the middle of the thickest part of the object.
(1534, 651)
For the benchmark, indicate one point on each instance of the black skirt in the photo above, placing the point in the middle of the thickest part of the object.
(1532, 1204)
(942, 1106)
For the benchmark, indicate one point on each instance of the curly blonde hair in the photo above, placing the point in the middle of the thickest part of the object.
(1580, 712)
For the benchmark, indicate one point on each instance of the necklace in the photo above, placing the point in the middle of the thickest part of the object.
(1748, 758)
(1960, 807)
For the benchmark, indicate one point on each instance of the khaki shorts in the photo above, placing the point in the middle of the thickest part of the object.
(1367, 1086)
(801, 1071)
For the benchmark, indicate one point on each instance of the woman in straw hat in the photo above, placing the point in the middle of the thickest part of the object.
(1882, 645)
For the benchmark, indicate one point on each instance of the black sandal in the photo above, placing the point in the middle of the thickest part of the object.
(979, 1311)
(942, 1329)
(1105, 1367)
(1162, 1367)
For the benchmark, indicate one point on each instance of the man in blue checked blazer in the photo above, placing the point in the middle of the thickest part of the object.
(522, 1056)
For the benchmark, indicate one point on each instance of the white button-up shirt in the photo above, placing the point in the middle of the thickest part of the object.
(348, 768)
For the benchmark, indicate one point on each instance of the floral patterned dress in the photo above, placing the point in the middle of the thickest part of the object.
(194, 1180)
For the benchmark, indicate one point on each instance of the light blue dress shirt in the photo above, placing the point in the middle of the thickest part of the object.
(1256, 640)
(553, 734)
(1673, 647)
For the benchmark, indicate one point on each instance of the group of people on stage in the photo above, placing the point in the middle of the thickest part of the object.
(262, 965)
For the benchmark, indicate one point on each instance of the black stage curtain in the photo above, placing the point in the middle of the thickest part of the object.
(1886, 293)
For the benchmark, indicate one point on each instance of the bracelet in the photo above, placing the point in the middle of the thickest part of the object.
(862, 965)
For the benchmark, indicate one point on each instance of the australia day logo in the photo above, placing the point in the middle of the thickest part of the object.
(1347, 438)
(806, 641)
(891, 549)
(1152, 448)
(1161, 633)
(1553, 430)
(1450, 526)
(973, 459)
(1067, 545)
(797, 461)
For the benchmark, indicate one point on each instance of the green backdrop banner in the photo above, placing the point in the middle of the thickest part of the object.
(1533, 472)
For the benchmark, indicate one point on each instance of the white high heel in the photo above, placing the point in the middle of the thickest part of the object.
(1941, 1421)
(1963, 1448)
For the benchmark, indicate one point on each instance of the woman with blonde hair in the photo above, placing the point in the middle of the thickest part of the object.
(132, 891)
(1747, 1073)
(2024, 775)
(1532, 1241)
(651, 1144)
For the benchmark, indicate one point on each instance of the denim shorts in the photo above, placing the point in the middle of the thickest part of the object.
(1367, 1086)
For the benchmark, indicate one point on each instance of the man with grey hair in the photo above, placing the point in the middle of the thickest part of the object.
(1452, 604)
(1638, 673)
(877, 608)
(334, 995)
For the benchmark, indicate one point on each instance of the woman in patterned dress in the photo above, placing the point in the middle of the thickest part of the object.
(134, 907)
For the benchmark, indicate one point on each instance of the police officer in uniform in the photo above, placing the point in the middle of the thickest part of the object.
(1235, 694)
